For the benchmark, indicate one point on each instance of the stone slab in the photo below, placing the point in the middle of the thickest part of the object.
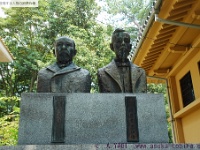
(91, 118)
(114, 146)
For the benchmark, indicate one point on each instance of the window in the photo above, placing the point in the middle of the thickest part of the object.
(199, 66)
(187, 89)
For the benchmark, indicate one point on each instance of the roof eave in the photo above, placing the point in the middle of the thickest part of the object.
(7, 56)
(146, 29)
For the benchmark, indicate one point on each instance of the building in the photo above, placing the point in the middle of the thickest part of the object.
(169, 49)
(5, 55)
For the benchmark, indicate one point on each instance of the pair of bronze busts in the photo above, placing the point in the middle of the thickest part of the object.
(119, 76)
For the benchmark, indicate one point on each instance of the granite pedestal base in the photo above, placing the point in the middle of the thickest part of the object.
(91, 118)
(115, 146)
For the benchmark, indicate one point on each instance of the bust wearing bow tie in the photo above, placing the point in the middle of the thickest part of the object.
(120, 75)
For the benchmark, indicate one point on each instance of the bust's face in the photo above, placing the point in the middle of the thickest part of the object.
(64, 50)
(121, 45)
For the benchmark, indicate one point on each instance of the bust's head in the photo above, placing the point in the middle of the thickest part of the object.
(120, 44)
(64, 50)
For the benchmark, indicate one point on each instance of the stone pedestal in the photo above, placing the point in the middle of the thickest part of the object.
(91, 118)
(114, 146)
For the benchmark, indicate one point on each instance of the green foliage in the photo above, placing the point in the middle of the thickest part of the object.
(93, 52)
(30, 34)
(9, 120)
(135, 11)
(131, 14)
(162, 89)
(22, 30)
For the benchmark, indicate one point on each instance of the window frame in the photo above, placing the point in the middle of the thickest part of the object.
(187, 89)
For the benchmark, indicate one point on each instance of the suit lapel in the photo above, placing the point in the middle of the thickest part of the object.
(135, 74)
(56, 70)
(112, 70)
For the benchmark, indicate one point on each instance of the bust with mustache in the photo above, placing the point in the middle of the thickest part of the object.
(64, 75)
(120, 75)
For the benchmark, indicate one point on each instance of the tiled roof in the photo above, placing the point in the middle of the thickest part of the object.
(150, 18)
(174, 32)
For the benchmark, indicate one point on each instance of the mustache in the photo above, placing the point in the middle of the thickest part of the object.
(123, 53)
(64, 51)
(123, 48)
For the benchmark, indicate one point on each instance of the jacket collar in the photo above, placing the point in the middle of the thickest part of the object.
(112, 70)
(56, 70)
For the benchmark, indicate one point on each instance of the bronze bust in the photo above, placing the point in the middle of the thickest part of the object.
(120, 75)
(64, 75)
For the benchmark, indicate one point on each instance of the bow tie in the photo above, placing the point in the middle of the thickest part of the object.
(123, 64)
(62, 65)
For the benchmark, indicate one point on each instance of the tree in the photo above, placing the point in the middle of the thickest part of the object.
(131, 14)
(162, 89)
(30, 34)
(9, 120)
(22, 31)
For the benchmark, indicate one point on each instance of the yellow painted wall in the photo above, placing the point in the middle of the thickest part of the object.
(191, 125)
(190, 115)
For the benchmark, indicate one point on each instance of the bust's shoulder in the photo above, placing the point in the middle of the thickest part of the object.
(110, 65)
(134, 66)
(44, 74)
(84, 71)
(47, 69)
(43, 70)
(102, 70)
